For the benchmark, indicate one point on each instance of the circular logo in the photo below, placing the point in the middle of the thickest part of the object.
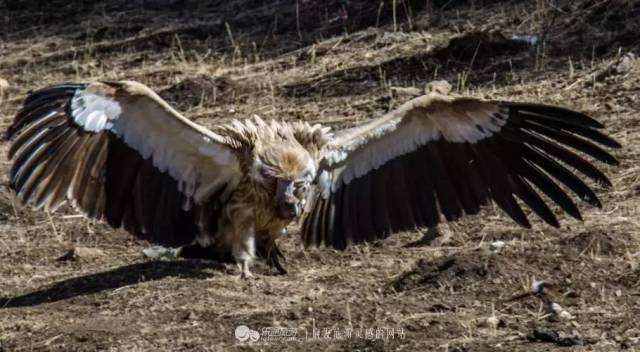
(244, 333)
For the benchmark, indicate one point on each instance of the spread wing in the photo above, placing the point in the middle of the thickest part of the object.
(118, 152)
(439, 157)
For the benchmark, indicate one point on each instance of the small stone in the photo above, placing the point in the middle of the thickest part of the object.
(537, 286)
(493, 322)
(561, 312)
(442, 87)
(543, 335)
(78, 253)
(560, 339)
(190, 316)
(407, 91)
(160, 252)
(497, 246)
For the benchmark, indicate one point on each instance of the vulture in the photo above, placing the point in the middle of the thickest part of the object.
(119, 153)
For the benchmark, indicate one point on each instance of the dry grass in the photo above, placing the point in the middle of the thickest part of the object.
(319, 61)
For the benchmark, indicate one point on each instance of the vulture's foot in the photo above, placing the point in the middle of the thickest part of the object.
(245, 273)
(273, 259)
(267, 248)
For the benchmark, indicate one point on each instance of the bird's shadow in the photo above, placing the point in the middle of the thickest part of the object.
(113, 279)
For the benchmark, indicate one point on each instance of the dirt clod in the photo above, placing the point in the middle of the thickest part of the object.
(81, 253)
(543, 334)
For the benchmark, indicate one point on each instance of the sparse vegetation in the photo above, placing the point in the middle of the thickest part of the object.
(338, 62)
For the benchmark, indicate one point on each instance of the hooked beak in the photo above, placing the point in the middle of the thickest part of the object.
(287, 205)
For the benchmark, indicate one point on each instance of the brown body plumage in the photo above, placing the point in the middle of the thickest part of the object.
(118, 152)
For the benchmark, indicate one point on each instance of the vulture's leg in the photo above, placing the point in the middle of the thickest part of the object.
(243, 250)
(238, 230)
(267, 248)
(274, 257)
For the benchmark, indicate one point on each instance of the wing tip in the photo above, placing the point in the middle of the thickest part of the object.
(524, 223)
(577, 216)
(38, 99)
(558, 112)
(604, 183)
(553, 223)
(613, 143)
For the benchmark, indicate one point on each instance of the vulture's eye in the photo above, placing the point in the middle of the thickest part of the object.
(267, 178)
(301, 188)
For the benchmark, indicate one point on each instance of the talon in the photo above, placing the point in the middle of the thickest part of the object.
(245, 273)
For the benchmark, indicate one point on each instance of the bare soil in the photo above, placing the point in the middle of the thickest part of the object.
(339, 63)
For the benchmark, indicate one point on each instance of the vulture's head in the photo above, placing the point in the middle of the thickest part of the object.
(285, 172)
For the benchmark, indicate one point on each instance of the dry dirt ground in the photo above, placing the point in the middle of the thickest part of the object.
(336, 62)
